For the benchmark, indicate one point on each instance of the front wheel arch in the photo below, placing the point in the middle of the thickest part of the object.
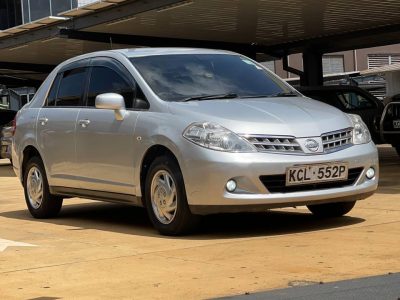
(151, 154)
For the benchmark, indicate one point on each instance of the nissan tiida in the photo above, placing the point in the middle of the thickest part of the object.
(185, 133)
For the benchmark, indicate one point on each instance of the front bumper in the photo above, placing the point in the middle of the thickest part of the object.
(206, 173)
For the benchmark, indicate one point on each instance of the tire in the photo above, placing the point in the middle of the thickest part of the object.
(171, 216)
(40, 202)
(331, 210)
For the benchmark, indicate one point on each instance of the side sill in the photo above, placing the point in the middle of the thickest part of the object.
(96, 195)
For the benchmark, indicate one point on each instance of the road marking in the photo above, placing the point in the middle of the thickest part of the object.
(4, 244)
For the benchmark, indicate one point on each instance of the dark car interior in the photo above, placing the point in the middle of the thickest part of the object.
(353, 100)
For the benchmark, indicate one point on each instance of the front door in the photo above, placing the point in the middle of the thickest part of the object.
(105, 150)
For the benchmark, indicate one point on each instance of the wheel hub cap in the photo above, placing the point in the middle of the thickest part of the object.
(164, 197)
(35, 187)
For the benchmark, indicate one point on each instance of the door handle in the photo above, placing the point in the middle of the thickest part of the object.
(43, 121)
(84, 123)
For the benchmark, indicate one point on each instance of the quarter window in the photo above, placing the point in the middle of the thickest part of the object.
(71, 87)
(51, 98)
(105, 80)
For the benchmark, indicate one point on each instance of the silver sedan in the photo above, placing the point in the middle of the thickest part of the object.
(184, 133)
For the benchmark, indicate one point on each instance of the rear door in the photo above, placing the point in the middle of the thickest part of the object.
(105, 150)
(56, 124)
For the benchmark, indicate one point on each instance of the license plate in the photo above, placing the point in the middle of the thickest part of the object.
(396, 124)
(307, 174)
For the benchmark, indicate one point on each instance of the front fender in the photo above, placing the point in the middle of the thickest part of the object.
(157, 129)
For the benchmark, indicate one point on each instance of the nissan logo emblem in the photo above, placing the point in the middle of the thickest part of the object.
(312, 145)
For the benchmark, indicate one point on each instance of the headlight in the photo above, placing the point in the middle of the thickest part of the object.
(361, 133)
(216, 137)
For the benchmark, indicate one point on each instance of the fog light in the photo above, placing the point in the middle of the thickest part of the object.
(370, 173)
(231, 186)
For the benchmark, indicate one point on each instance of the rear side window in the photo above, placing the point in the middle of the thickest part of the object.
(51, 98)
(106, 80)
(71, 87)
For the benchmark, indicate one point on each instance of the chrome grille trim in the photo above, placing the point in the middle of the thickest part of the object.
(331, 142)
(337, 140)
(279, 144)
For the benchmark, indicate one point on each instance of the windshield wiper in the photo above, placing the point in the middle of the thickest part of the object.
(286, 94)
(210, 97)
(256, 96)
(282, 94)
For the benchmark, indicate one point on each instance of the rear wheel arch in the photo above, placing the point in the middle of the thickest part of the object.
(29, 152)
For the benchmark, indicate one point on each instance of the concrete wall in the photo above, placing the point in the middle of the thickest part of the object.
(354, 60)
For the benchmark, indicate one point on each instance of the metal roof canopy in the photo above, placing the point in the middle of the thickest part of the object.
(274, 27)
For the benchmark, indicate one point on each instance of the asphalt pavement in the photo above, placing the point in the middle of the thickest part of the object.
(370, 288)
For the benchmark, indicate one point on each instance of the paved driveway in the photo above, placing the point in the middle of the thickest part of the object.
(105, 251)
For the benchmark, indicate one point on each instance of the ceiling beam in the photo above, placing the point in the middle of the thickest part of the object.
(151, 41)
(10, 82)
(38, 68)
(372, 37)
(109, 14)
(380, 36)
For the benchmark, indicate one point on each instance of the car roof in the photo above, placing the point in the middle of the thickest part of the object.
(138, 52)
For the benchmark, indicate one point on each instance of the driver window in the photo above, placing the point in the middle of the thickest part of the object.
(105, 80)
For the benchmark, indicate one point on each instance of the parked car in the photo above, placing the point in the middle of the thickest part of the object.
(390, 124)
(383, 122)
(6, 141)
(6, 117)
(185, 133)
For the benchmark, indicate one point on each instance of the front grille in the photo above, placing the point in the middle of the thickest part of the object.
(333, 141)
(266, 143)
(277, 183)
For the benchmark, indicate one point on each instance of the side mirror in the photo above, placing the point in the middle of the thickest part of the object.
(112, 101)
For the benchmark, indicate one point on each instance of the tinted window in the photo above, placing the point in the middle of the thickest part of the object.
(24, 100)
(105, 80)
(71, 87)
(4, 103)
(51, 98)
(176, 77)
(351, 100)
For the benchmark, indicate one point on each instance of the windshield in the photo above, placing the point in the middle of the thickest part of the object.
(180, 77)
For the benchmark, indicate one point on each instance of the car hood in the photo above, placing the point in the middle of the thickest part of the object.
(294, 116)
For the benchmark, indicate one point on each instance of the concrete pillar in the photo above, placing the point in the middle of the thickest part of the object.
(312, 66)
